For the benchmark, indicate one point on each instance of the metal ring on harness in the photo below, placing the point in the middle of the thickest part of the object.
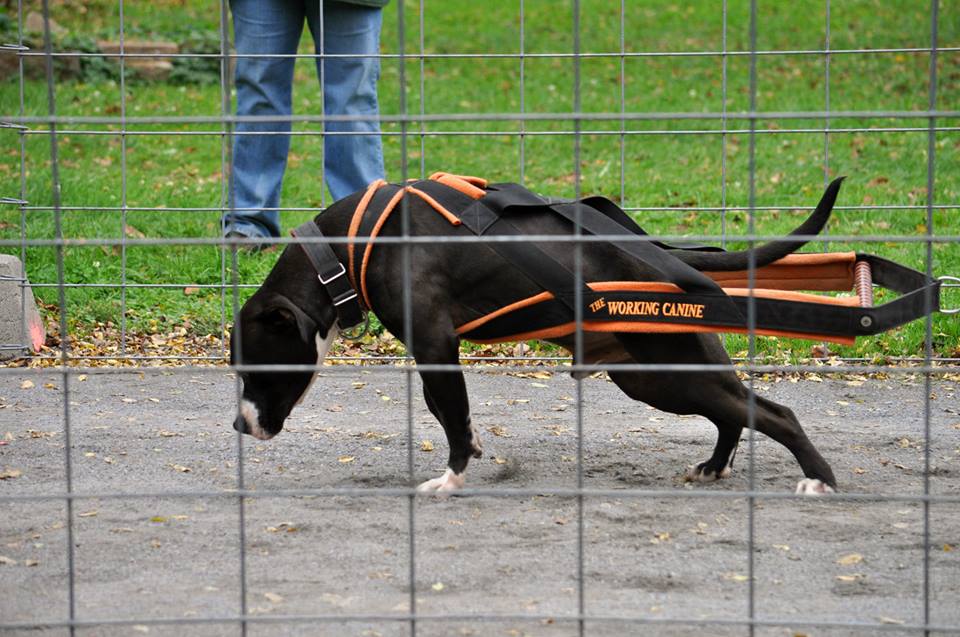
(356, 333)
(955, 279)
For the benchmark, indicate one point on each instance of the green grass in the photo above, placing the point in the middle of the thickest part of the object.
(659, 170)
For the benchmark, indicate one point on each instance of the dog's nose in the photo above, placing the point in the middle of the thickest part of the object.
(240, 424)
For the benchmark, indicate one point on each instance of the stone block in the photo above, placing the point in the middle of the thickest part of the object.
(156, 67)
(21, 329)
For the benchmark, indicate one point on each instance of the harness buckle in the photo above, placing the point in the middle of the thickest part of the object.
(336, 276)
(347, 296)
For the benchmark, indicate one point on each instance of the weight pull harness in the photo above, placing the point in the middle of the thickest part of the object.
(684, 300)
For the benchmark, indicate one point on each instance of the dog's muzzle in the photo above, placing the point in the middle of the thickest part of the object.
(240, 424)
(248, 422)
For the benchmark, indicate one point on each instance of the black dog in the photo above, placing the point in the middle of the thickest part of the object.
(292, 320)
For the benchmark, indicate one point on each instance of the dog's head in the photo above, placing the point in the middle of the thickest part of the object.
(272, 330)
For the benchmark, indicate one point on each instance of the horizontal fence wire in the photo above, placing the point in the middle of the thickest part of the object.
(411, 127)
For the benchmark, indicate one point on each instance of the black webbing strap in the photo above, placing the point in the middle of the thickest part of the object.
(332, 275)
(695, 310)
(920, 296)
(531, 260)
(600, 222)
(488, 216)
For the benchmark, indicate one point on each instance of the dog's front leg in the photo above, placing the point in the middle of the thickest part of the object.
(446, 395)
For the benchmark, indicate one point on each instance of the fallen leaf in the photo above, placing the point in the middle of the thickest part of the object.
(358, 384)
(890, 620)
(657, 538)
(49, 386)
(88, 514)
(497, 430)
(736, 577)
(190, 290)
(848, 560)
(438, 586)
(27, 384)
(7, 561)
(181, 468)
(81, 378)
(335, 408)
(9, 474)
(426, 445)
(30, 562)
(273, 598)
(498, 460)
(132, 232)
(850, 578)
(345, 459)
(540, 385)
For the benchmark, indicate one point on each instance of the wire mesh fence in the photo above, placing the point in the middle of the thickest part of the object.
(698, 130)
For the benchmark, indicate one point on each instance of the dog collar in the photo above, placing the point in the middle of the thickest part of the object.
(332, 275)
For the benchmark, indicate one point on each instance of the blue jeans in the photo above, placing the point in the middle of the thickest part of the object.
(265, 87)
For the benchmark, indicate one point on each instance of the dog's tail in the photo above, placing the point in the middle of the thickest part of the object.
(768, 252)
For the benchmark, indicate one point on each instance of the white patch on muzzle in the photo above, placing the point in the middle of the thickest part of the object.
(323, 346)
(251, 416)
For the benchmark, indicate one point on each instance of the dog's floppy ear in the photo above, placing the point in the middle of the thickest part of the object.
(280, 314)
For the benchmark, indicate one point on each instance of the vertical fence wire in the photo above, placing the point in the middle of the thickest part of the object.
(928, 320)
(22, 199)
(578, 284)
(751, 331)
(64, 333)
(226, 149)
(407, 302)
(123, 182)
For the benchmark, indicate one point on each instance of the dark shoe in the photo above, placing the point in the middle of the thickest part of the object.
(246, 246)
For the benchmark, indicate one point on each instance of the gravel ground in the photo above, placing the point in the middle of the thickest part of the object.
(658, 557)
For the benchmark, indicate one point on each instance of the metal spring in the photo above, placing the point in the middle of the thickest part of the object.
(863, 281)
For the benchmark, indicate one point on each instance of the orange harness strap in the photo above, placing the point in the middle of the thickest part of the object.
(467, 185)
(355, 225)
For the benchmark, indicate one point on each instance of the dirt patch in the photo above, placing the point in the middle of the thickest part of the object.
(172, 548)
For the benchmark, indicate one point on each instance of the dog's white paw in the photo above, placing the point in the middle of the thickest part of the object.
(699, 473)
(445, 484)
(812, 486)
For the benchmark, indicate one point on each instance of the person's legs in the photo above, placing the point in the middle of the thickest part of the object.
(264, 87)
(351, 161)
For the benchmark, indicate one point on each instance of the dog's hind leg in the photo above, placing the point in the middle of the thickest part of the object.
(719, 396)
(445, 393)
